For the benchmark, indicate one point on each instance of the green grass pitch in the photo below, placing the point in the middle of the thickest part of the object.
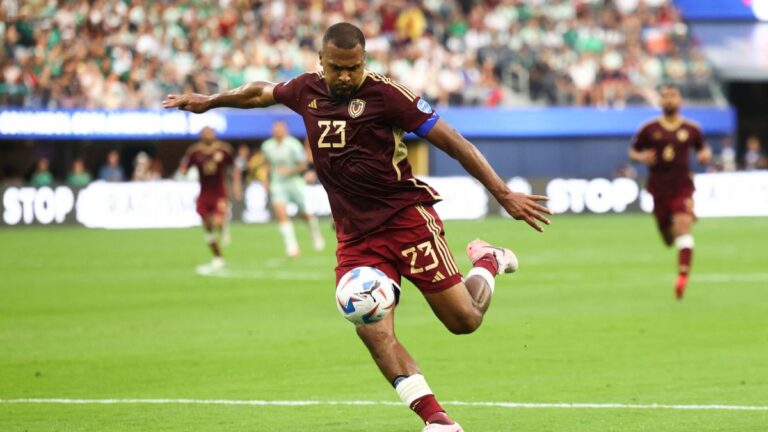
(589, 318)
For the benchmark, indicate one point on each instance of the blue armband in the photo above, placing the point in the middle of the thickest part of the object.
(427, 126)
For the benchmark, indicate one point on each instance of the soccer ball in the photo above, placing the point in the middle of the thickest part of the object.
(366, 295)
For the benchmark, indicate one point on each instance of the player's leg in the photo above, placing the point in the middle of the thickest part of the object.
(392, 359)
(401, 370)
(426, 260)
(462, 306)
(206, 209)
(279, 197)
(209, 225)
(663, 216)
(299, 198)
(682, 224)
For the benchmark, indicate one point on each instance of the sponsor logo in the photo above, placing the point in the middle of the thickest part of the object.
(356, 107)
(313, 104)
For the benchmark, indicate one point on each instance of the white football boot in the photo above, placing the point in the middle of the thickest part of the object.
(434, 427)
(505, 258)
(217, 263)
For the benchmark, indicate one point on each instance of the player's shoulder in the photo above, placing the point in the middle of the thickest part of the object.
(268, 144)
(650, 124)
(387, 85)
(195, 148)
(693, 124)
(224, 146)
(305, 78)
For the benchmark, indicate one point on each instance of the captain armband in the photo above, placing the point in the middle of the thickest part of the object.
(427, 126)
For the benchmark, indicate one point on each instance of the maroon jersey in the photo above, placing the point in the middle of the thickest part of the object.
(212, 161)
(358, 148)
(671, 174)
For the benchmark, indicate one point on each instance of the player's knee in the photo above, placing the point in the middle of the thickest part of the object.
(464, 324)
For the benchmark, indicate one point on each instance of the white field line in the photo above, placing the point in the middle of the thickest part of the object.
(266, 274)
(556, 405)
(730, 277)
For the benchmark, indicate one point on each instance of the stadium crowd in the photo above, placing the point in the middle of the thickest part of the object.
(129, 53)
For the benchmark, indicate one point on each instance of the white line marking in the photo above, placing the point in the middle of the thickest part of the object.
(730, 277)
(556, 405)
(266, 274)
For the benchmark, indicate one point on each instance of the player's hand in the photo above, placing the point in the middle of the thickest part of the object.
(704, 156)
(649, 157)
(527, 208)
(192, 102)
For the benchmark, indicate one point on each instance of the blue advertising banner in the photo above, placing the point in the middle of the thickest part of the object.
(724, 10)
(256, 124)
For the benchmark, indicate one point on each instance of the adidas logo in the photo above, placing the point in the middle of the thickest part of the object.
(313, 104)
(438, 277)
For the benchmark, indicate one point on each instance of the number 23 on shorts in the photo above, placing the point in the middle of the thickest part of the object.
(424, 249)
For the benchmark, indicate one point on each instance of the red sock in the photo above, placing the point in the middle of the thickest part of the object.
(684, 258)
(488, 262)
(426, 407)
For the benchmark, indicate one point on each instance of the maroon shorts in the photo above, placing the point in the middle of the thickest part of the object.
(664, 207)
(208, 204)
(412, 244)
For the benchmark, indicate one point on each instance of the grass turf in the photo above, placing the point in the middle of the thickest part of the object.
(590, 317)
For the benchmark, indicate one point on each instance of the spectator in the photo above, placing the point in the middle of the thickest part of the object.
(141, 167)
(79, 177)
(727, 156)
(42, 175)
(112, 171)
(241, 159)
(754, 158)
(117, 55)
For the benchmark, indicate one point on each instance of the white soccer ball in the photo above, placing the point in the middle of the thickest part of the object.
(366, 295)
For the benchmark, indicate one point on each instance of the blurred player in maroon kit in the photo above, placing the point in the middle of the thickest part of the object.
(664, 144)
(355, 121)
(212, 158)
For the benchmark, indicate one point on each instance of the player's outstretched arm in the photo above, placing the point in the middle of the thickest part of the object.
(520, 206)
(257, 94)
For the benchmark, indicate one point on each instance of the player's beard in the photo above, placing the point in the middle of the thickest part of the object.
(339, 96)
(670, 111)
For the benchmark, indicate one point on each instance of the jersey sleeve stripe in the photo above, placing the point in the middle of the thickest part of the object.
(404, 90)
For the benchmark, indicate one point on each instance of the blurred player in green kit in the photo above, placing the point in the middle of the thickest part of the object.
(287, 162)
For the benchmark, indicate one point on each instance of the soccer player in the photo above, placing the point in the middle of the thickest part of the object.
(287, 163)
(664, 144)
(384, 216)
(212, 158)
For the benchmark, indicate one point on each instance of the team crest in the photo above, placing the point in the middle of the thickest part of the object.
(682, 135)
(218, 157)
(356, 108)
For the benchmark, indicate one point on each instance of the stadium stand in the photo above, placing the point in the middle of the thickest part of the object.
(113, 54)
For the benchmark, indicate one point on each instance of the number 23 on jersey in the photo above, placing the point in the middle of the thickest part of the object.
(333, 135)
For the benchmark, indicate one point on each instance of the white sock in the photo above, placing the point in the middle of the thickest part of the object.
(314, 230)
(289, 236)
(412, 388)
(485, 274)
(209, 237)
(684, 241)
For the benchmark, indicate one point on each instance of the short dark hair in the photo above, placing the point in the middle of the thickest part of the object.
(344, 35)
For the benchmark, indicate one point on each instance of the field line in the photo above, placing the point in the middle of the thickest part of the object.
(554, 405)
